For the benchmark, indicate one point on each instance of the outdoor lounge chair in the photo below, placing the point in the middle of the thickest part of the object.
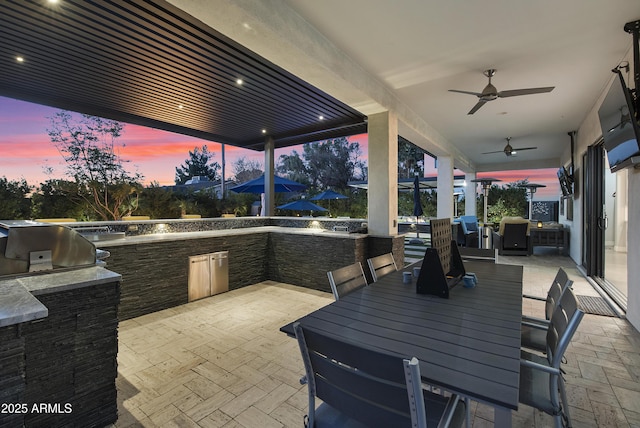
(362, 388)
(470, 229)
(541, 381)
(346, 279)
(513, 237)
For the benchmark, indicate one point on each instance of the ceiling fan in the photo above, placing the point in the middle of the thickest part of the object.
(510, 151)
(490, 93)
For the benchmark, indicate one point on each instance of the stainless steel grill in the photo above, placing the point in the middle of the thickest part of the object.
(28, 246)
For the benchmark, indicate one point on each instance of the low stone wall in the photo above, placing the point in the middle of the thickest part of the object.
(155, 273)
(305, 260)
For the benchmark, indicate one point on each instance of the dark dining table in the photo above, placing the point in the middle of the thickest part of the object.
(468, 344)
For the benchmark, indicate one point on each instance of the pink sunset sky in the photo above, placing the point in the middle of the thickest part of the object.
(25, 151)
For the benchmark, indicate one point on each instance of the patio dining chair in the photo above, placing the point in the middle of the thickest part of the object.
(360, 387)
(381, 265)
(541, 381)
(534, 330)
(346, 279)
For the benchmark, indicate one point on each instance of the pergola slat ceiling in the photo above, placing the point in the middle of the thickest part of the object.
(138, 61)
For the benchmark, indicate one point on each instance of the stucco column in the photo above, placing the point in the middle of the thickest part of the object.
(445, 187)
(470, 194)
(383, 174)
(269, 194)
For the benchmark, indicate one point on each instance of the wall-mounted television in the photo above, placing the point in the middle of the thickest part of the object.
(566, 182)
(619, 122)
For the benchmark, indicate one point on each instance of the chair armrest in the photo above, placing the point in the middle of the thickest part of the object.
(535, 325)
(541, 367)
(533, 320)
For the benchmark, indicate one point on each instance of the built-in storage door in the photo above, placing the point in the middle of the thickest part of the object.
(199, 277)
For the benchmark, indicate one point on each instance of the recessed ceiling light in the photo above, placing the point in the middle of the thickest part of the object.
(239, 81)
(20, 58)
(264, 131)
(53, 1)
(321, 117)
(180, 106)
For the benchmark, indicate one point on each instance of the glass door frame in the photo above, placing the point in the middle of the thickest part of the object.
(593, 214)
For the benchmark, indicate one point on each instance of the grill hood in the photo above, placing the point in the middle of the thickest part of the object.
(28, 246)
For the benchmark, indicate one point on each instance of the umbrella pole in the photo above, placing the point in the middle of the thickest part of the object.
(417, 240)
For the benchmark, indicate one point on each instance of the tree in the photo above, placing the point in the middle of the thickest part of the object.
(325, 164)
(507, 200)
(15, 204)
(245, 169)
(89, 148)
(158, 202)
(410, 159)
(333, 163)
(198, 165)
(59, 199)
(293, 167)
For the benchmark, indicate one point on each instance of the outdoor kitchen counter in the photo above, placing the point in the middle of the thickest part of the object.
(155, 267)
(182, 236)
(18, 296)
(17, 305)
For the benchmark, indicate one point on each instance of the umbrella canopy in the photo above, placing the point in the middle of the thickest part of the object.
(417, 205)
(281, 185)
(301, 205)
(329, 194)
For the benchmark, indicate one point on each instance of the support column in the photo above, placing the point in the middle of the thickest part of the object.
(269, 171)
(470, 194)
(383, 174)
(445, 187)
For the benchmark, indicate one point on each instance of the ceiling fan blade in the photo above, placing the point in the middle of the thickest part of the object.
(477, 94)
(490, 153)
(524, 148)
(477, 106)
(530, 91)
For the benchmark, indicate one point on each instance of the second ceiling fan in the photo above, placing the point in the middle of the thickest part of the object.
(510, 151)
(490, 93)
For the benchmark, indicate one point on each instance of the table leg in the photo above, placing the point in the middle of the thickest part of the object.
(502, 417)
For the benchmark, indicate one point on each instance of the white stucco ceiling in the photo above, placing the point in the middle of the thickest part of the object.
(406, 54)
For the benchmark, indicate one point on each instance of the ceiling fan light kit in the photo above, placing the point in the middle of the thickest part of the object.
(509, 150)
(490, 93)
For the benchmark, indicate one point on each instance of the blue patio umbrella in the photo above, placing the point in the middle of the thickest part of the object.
(301, 205)
(329, 194)
(281, 185)
(417, 209)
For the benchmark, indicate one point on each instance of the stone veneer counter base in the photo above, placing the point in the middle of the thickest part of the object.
(66, 359)
(154, 268)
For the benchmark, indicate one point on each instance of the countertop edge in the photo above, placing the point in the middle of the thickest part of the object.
(18, 296)
(183, 236)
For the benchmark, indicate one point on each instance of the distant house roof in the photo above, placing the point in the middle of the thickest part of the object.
(199, 183)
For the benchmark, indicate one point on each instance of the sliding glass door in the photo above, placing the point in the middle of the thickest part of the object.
(605, 214)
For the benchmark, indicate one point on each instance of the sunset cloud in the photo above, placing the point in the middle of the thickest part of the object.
(26, 150)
